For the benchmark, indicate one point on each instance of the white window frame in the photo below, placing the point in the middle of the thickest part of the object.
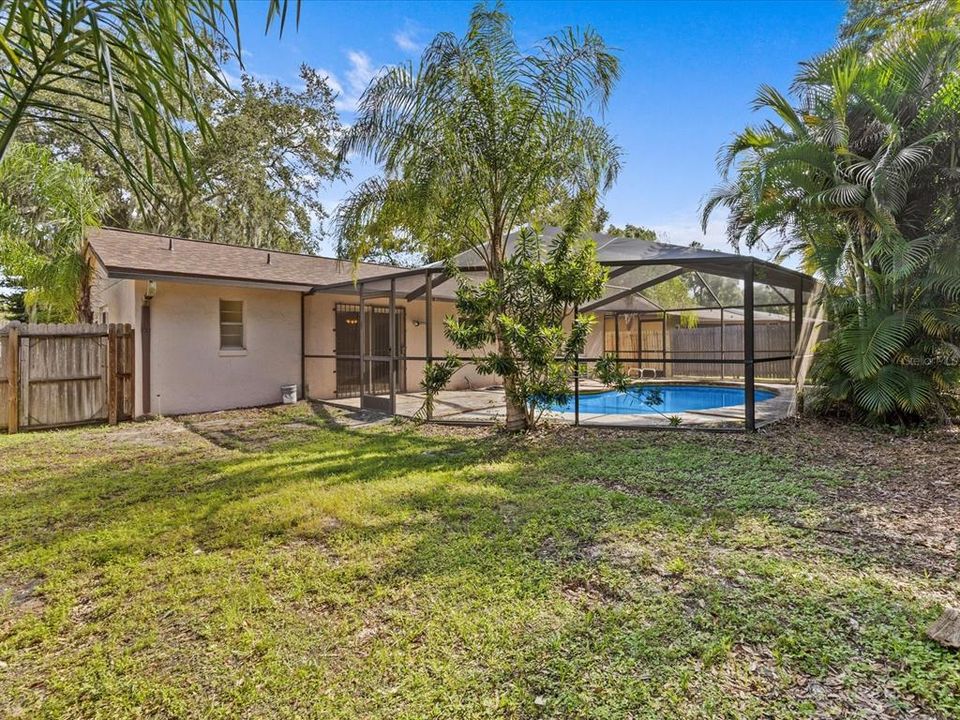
(243, 327)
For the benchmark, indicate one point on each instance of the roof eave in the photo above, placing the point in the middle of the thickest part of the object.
(123, 273)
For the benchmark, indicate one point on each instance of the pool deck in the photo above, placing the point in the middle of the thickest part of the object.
(487, 405)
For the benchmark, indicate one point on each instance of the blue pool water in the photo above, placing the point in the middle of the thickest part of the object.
(662, 399)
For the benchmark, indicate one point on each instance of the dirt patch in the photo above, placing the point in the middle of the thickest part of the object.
(590, 592)
(344, 418)
(752, 672)
(17, 599)
(898, 497)
(154, 433)
(257, 429)
(233, 429)
(905, 503)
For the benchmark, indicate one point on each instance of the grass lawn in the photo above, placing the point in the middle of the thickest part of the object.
(276, 564)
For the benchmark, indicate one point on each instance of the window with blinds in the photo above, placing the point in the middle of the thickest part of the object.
(231, 325)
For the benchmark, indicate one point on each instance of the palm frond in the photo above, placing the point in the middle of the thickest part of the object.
(769, 98)
(134, 64)
(865, 349)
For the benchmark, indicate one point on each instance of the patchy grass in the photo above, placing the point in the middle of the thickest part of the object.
(275, 564)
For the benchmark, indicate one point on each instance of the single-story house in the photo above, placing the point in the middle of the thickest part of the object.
(221, 326)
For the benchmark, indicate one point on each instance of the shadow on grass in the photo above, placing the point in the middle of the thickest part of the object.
(485, 568)
(137, 502)
(618, 482)
(682, 628)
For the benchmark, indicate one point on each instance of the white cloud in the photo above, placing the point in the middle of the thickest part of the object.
(405, 41)
(355, 79)
(361, 71)
(348, 85)
(408, 37)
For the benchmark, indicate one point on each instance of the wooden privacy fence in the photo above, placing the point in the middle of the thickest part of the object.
(61, 375)
(703, 343)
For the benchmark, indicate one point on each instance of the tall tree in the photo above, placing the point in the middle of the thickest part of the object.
(45, 206)
(13, 305)
(134, 62)
(473, 141)
(260, 180)
(556, 213)
(860, 180)
(632, 231)
(532, 307)
(259, 177)
(886, 25)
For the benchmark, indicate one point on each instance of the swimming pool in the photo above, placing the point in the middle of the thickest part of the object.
(650, 398)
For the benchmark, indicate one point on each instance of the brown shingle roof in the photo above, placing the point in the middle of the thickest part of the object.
(130, 254)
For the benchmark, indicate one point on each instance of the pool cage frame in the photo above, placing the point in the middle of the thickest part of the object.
(743, 268)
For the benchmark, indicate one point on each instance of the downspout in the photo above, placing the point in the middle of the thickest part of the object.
(145, 356)
(303, 348)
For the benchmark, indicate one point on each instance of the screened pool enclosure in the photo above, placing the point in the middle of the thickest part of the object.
(709, 339)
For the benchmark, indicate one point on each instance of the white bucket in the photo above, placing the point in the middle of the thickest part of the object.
(288, 394)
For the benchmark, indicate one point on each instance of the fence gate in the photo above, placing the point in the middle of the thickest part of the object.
(59, 375)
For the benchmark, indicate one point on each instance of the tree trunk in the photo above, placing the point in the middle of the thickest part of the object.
(516, 413)
(84, 305)
(859, 281)
(946, 629)
(867, 286)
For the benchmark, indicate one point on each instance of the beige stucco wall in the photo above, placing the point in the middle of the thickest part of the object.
(116, 298)
(321, 340)
(189, 372)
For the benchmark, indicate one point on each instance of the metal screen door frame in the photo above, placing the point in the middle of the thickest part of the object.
(347, 349)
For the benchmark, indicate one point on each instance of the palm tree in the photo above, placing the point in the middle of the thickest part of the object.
(45, 207)
(474, 140)
(861, 180)
(886, 25)
(108, 69)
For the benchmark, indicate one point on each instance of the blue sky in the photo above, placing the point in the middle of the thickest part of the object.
(689, 73)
